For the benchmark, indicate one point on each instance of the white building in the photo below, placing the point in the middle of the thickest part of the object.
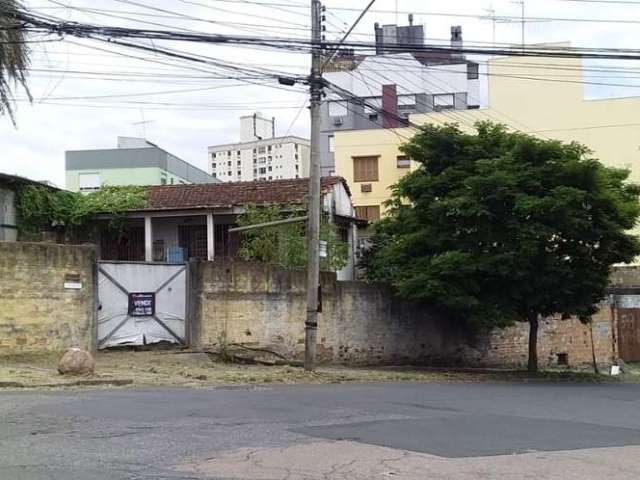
(260, 155)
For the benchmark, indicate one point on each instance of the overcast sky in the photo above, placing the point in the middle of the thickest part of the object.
(87, 93)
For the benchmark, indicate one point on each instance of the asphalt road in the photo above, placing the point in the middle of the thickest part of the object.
(332, 431)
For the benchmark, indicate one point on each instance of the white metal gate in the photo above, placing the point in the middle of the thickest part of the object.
(141, 303)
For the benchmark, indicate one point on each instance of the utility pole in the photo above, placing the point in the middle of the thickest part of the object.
(313, 223)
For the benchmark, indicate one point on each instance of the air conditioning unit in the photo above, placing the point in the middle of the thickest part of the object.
(365, 188)
(337, 121)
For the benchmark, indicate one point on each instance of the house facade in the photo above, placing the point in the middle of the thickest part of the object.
(10, 186)
(183, 222)
(134, 162)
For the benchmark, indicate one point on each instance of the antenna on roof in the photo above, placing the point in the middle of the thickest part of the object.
(143, 124)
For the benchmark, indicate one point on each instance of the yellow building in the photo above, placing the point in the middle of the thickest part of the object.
(543, 97)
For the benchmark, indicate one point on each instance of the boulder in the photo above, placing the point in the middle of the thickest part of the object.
(76, 361)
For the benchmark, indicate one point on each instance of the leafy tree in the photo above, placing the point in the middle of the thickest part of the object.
(497, 226)
(14, 54)
(285, 245)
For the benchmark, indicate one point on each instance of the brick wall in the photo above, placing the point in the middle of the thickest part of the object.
(260, 306)
(37, 312)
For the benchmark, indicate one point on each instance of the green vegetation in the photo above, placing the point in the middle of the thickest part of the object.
(285, 245)
(40, 208)
(499, 226)
(14, 55)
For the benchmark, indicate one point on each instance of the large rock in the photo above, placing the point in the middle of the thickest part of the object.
(76, 361)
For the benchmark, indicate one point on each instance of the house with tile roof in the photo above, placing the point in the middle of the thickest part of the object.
(182, 222)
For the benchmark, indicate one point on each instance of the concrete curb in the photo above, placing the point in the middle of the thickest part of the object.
(116, 382)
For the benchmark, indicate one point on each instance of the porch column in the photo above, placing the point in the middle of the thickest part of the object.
(210, 237)
(148, 239)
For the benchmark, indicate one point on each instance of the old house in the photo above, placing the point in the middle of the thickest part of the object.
(181, 222)
(10, 186)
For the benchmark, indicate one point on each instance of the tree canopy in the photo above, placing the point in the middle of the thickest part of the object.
(14, 54)
(497, 226)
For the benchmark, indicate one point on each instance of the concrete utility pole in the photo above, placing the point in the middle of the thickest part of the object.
(313, 223)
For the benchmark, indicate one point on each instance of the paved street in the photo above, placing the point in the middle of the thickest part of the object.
(401, 431)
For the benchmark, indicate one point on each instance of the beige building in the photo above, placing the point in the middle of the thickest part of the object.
(542, 97)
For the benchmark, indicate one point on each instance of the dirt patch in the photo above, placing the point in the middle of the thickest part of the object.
(175, 368)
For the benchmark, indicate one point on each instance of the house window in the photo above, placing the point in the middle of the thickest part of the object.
(365, 169)
(370, 213)
(89, 182)
(403, 161)
(445, 101)
(332, 143)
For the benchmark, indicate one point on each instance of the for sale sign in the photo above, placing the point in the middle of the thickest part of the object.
(142, 304)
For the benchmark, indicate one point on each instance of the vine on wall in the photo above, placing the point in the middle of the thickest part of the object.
(42, 209)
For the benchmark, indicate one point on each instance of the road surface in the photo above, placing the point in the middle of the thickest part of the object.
(355, 432)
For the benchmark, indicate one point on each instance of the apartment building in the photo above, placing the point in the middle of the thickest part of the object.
(260, 155)
(372, 162)
(135, 161)
(423, 82)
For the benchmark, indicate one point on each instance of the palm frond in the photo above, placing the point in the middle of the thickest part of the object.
(14, 55)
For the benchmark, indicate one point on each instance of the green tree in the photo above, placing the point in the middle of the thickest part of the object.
(496, 226)
(285, 245)
(14, 55)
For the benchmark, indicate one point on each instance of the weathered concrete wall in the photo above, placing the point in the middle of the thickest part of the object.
(259, 306)
(37, 312)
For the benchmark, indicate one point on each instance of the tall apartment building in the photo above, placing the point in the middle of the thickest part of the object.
(136, 161)
(260, 155)
(400, 80)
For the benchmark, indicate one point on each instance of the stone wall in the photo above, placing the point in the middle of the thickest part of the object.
(262, 307)
(46, 297)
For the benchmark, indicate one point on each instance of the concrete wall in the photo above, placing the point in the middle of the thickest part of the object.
(38, 313)
(260, 306)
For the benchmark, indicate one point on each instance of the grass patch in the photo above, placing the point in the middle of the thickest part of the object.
(171, 368)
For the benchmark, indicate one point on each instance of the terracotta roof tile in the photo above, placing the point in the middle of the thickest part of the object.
(229, 194)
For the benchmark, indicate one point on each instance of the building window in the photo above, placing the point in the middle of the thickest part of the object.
(213, 155)
(214, 175)
(473, 72)
(261, 150)
(229, 153)
(89, 182)
(365, 169)
(296, 156)
(255, 160)
(296, 145)
(171, 180)
(229, 173)
(270, 178)
(228, 164)
(373, 117)
(269, 147)
(238, 153)
(403, 161)
(254, 150)
(445, 101)
(213, 165)
(269, 159)
(239, 173)
(332, 143)
(370, 213)
(163, 181)
(270, 168)
(262, 170)
(297, 167)
(239, 162)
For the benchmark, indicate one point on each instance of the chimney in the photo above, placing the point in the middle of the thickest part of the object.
(456, 41)
(390, 106)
